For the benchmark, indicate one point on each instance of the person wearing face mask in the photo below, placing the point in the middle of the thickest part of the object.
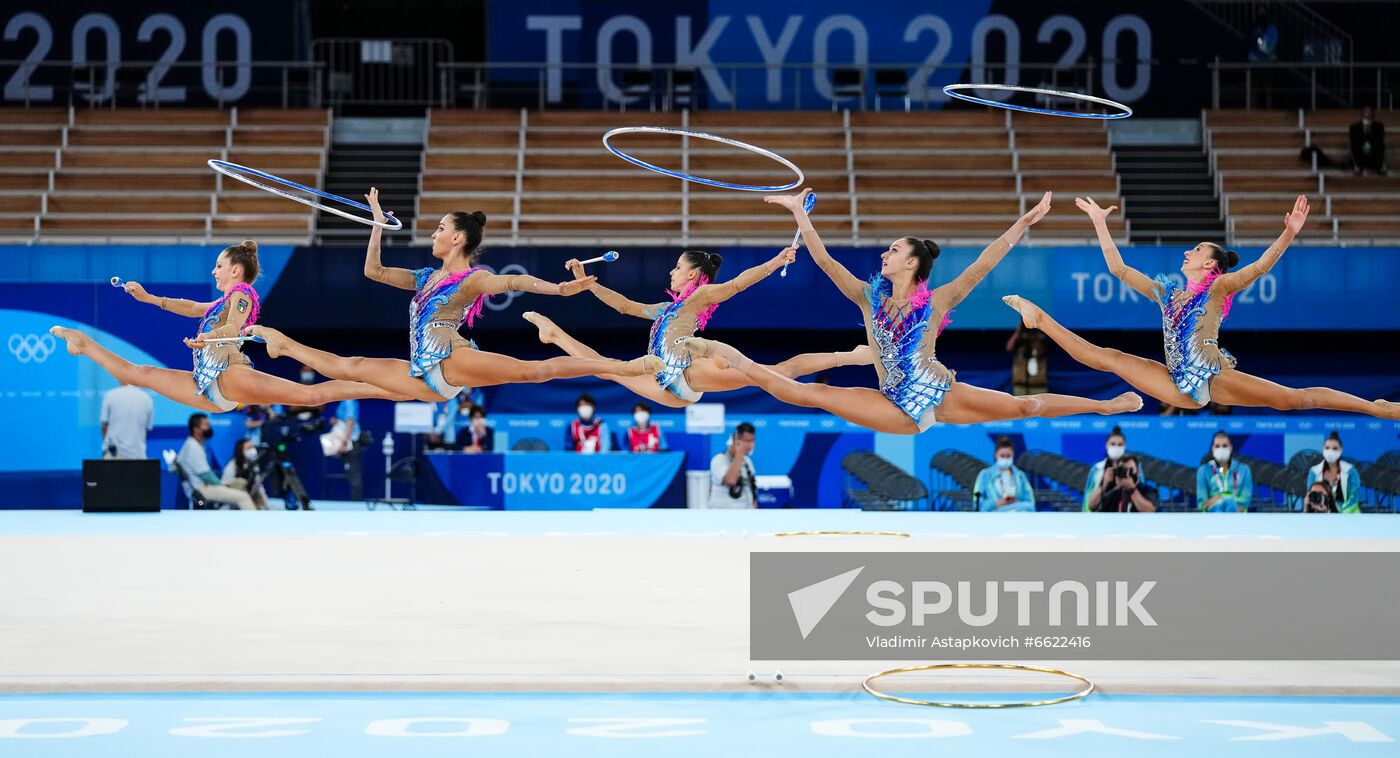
(588, 433)
(644, 436)
(1002, 487)
(732, 480)
(1339, 477)
(244, 473)
(194, 460)
(479, 437)
(1367, 138)
(1097, 484)
(1222, 483)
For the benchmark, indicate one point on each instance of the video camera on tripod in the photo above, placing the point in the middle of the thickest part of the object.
(278, 437)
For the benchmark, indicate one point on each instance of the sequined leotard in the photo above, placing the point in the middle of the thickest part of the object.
(662, 342)
(913, 378)
(211, 361)
(1191, 319)
(435, 314)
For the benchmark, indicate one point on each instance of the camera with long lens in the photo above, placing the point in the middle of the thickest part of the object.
(1319, 502)
(1123, 472)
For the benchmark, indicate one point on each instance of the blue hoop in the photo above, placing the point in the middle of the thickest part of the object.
(230, 169)
(700, 179)
(953, 90)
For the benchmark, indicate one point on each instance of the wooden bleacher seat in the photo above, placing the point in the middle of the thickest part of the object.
(1251, 119)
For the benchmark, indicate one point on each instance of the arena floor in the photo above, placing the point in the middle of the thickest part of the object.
(578, 630)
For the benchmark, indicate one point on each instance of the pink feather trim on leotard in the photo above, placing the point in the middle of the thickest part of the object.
(921, 296)
(1196, 288)
(703, 317)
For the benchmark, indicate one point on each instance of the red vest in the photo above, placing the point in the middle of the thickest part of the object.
(646, 440)
(588, 437)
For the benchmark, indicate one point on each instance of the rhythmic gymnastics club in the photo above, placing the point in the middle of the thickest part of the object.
(607, 257)
(807, 206)
(117, 282)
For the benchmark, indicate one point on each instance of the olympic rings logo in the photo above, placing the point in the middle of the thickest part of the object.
(32, 348)
(502, 301)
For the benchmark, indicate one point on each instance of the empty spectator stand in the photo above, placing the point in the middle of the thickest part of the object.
(957, 177)
(1259, 166)
(134, 175)
(875, 484)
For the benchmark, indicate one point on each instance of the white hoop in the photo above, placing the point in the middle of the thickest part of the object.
(232, 170)
(956, 91)
(700, 179)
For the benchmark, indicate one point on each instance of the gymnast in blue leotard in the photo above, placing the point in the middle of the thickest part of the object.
(441, 361)
(694, 296)
(903, 318)
(1197, 370)
(222, 377)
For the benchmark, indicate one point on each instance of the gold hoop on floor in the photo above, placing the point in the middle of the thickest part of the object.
(1088, 685)
(807, 534)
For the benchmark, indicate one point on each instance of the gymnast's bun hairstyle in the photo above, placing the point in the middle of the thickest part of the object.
(1117, 432)
(1224, 259)
(1004, 442)
(927, 252)
(1336, 437)
(707, 263)
(244, 254)
(473, 225)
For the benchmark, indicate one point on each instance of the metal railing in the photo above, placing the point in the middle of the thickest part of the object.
(1304, 35)
(1300, 85)
(382, 71)
(787, 86)
(154, 84)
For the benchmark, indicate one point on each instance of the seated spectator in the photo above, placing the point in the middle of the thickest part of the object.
(194, 460)
(1001, 486)
(479, 437)
(1340, 478)
(1224, 484)
(244, 473)
(1319, 499)
(1126, 492)
(587, 433)
(1115, 446)
(732, 480)
(644, 436)
(451, 419)
(1368, 143)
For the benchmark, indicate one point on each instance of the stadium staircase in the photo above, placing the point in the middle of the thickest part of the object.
(1169, 194)
(352, 169)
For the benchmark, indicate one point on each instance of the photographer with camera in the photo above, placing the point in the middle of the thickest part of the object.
(1125, 491)
(732, 480)
(244, 473)
(1341, 478)
(1101, 475)
(1319, 499)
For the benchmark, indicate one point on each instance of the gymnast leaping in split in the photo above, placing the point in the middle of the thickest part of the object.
(1197, 370)
(223, 377)
(903, 319)
(441, 362)
(694, 297)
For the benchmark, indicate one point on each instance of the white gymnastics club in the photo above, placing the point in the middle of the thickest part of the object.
(607, 257)
(807, 206)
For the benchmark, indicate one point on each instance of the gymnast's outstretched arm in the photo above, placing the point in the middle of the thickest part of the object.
(1292, 224)
(1125, 273)
(613, 299)
(718, 293)
(394, 277)
(952, 293)
(176, 305)
(850, 286)
(496, 284)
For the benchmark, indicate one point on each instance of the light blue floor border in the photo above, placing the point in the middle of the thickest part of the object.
(681, 725)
